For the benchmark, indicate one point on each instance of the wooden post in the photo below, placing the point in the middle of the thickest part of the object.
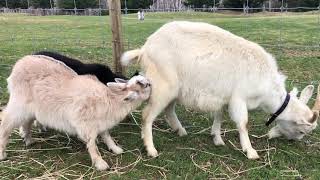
(117, 42)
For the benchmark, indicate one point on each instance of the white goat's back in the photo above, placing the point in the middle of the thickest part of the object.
(208, 63)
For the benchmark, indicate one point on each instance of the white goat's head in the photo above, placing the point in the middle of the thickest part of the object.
(138, 88)
(297, 119)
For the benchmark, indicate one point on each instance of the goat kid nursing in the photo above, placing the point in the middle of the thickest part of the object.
(205, 67)
(57, 97)
(101, 71)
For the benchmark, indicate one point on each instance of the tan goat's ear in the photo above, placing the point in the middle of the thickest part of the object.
(119, 80)
(131, 96)
(294, 92)
(116, 86)
(306, 94)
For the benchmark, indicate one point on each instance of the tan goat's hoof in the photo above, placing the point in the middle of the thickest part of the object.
(101, 165)
(3, 156)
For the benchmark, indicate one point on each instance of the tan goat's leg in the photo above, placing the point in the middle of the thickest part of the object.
(107, 139)
(6, 127)
(95, 155)
(25, 132)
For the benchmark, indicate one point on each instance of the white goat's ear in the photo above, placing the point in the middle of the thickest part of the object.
(119, 80)
(306, 94)
(116, 86)
(294, 92)
(274, 132)
(131, 96)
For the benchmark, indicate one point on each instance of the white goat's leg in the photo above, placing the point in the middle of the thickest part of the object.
(149, 114)
(25, 133)
(6, 127)
(95, 155)
(216, 127)
(107, 139)
(172, 119)
(164, 91)
(239, 114)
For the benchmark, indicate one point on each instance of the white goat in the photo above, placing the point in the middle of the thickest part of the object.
(205, 67)
(58, 98)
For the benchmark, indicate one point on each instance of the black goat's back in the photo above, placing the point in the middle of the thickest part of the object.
(102, 72)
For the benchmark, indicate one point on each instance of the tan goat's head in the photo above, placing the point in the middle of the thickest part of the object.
(138, 88)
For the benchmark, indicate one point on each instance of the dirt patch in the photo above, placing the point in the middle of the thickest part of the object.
(301, 53)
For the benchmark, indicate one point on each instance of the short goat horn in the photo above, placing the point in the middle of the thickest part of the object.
(316, 105)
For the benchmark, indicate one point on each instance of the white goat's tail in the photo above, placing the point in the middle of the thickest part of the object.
(129, 56)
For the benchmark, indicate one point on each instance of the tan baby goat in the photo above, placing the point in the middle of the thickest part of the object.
(43, 89)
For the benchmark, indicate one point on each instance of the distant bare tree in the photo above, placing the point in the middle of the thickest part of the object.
(104, 4)
(167, 4)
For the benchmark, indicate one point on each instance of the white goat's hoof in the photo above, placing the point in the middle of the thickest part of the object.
(182, 132)
(22, 133)
(101, 165)
(252, 154)
(3, 156)
(217, 140)
(42, 129)
(117, 150)
(152, 152)
(29, 142)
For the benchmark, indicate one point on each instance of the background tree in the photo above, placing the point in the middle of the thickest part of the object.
(80, 4)
(2, 3)
(303, 3)
(17, 4)
(136, 4)
(199, 3)
(40, 3)
(239, 3)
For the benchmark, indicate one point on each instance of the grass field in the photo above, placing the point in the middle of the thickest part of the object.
(56, 155)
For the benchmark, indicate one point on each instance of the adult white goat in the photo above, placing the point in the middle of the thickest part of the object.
(205, 67)
(43, 89)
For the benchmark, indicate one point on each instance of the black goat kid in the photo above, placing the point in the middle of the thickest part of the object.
(102, 72)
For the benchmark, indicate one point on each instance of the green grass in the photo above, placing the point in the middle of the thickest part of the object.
(191, 157)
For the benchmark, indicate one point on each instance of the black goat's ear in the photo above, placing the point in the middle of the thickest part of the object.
(136, 73)
(119, 80)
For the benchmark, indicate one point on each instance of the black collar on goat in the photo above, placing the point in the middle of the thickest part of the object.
(279, 111)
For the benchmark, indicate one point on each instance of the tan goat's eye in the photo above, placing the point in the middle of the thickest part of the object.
(141, 84)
